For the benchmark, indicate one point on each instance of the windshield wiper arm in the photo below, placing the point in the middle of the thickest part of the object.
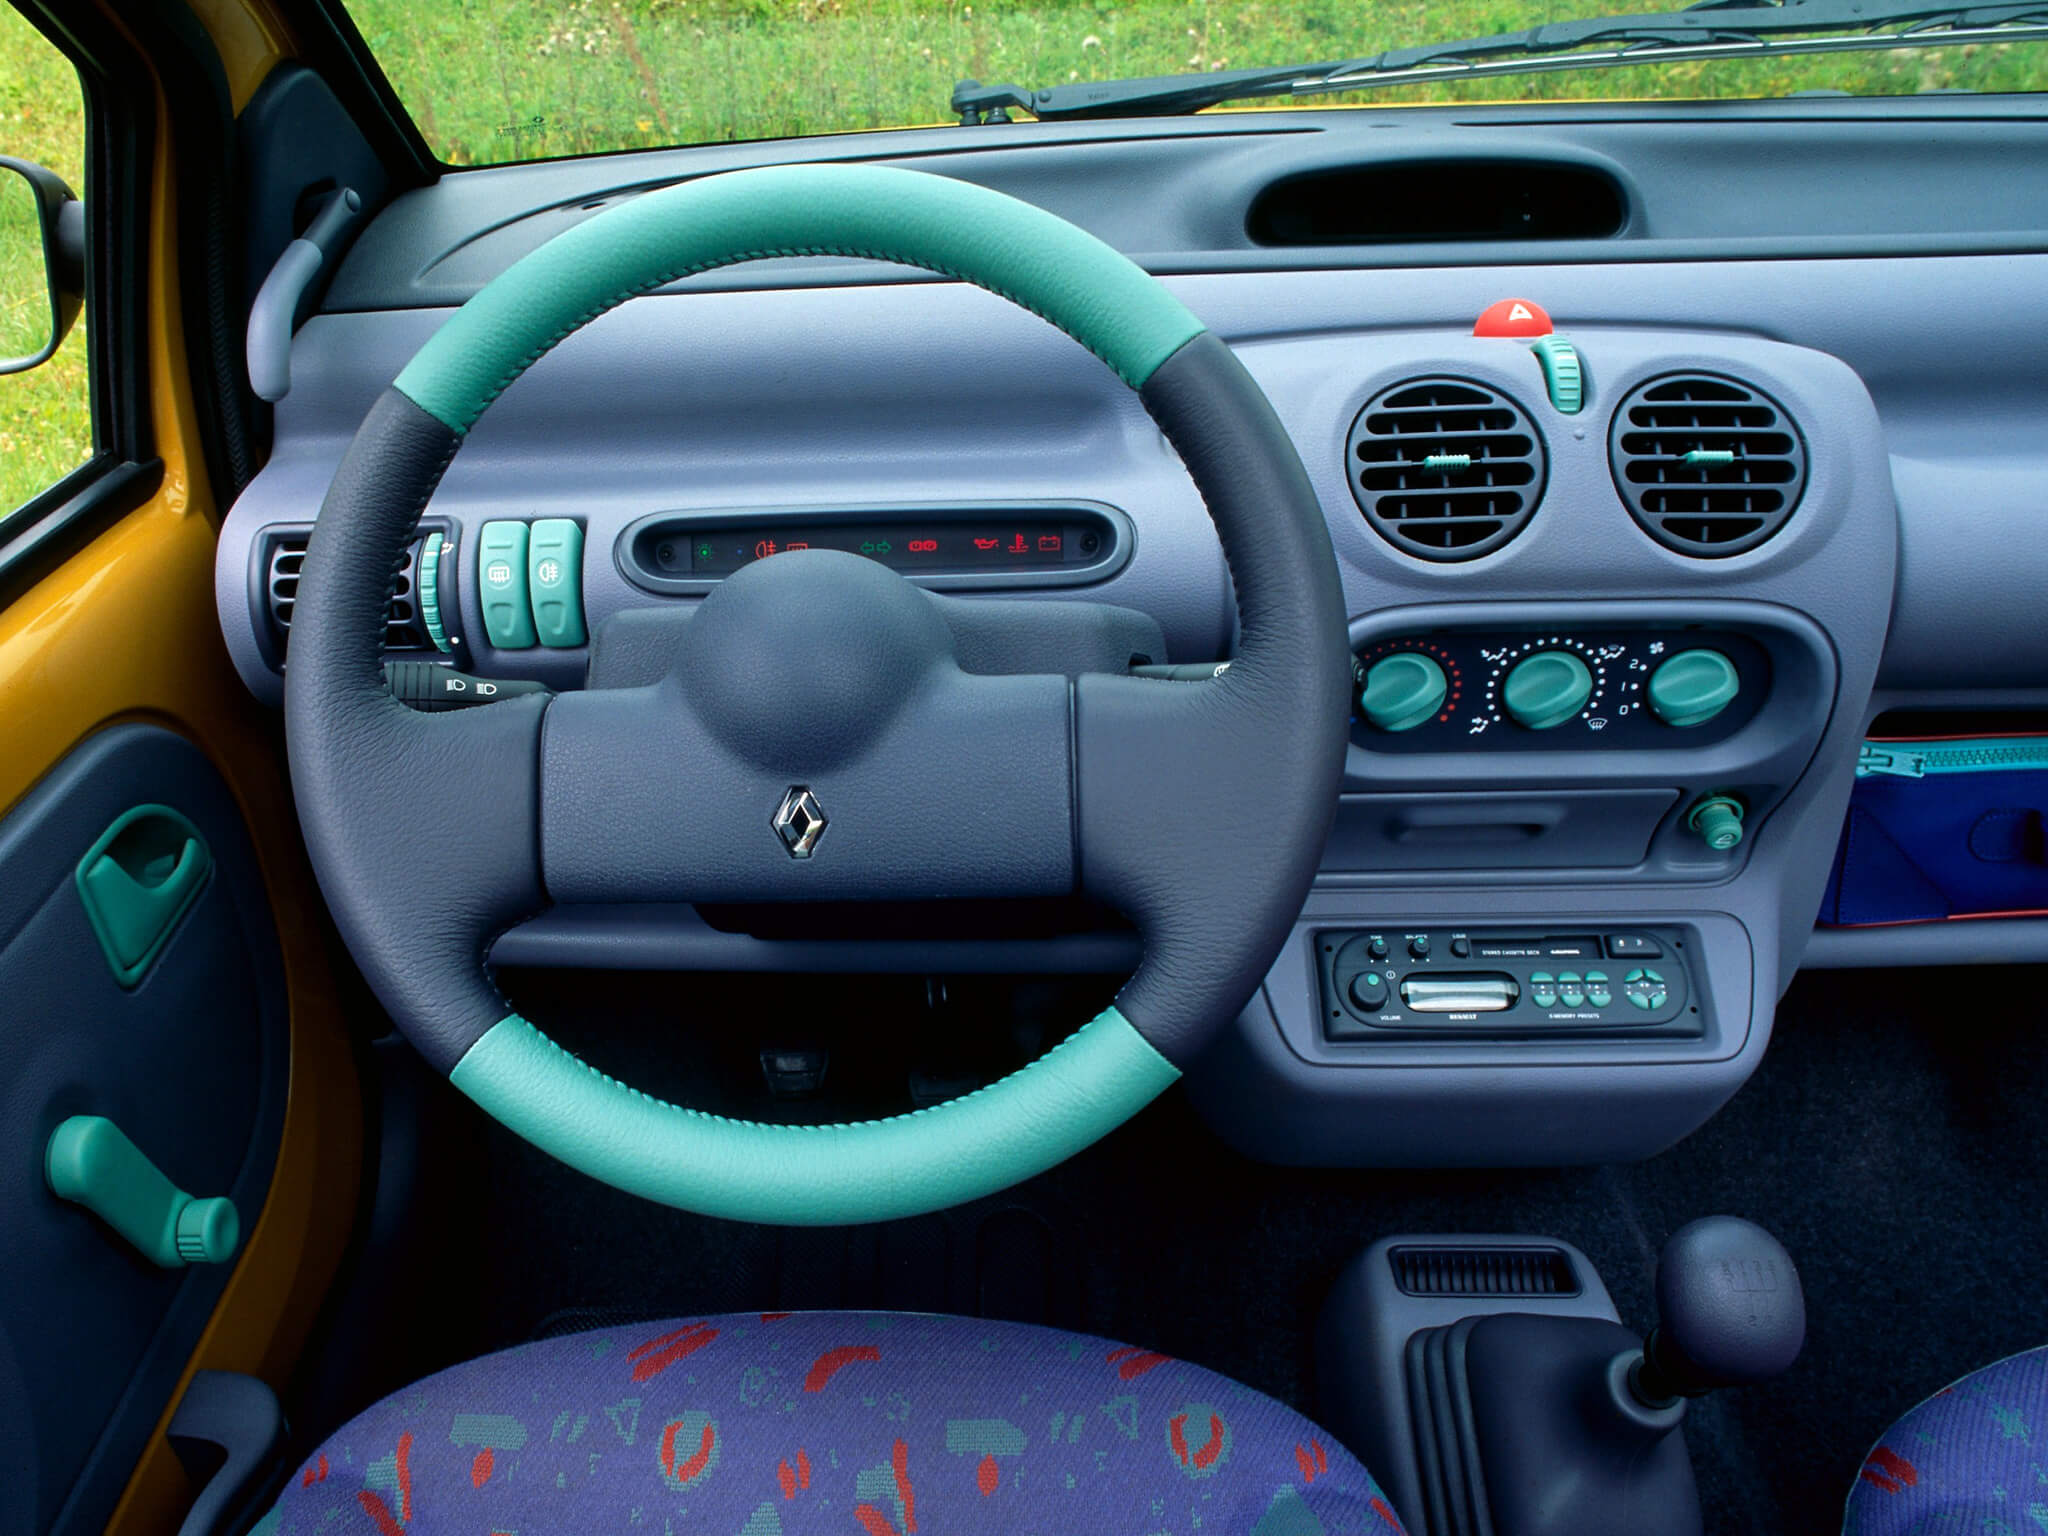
(1712, 29)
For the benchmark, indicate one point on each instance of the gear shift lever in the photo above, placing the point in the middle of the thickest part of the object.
(1730, 1312)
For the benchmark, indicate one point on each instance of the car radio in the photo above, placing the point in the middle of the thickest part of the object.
(1399, 983)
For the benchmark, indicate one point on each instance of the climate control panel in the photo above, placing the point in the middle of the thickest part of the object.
(1557, 689)
(1401, 983)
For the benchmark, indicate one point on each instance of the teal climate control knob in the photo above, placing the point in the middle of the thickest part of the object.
(1547, 689)
(1402, 691)
(1693, 687)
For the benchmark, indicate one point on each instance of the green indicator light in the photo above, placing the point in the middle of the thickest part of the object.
(1709, 456)
(1447, 463)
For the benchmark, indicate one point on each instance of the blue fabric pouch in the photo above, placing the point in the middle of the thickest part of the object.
(1943, 828)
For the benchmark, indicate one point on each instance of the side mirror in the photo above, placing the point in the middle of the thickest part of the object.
(42, 263)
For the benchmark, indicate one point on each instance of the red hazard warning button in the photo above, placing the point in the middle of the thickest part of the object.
(1513, 317)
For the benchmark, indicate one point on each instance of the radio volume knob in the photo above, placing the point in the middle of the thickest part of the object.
(1547, 689)
(1402, 691)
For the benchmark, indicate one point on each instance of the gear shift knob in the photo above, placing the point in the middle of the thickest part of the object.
(1730, 1311)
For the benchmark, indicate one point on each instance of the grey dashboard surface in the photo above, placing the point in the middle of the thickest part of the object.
(1734, 180)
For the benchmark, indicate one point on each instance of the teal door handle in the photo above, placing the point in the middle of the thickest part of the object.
(137, 881)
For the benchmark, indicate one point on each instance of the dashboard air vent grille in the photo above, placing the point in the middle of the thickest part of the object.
(1484, 1271)
(1709, 466)
(403, 628)
(1445, 468)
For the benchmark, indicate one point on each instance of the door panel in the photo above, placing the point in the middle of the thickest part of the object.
(191, 1063)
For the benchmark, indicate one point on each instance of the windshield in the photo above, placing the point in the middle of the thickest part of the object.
(508, 80)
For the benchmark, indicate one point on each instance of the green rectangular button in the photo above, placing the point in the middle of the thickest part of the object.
(501, 585)
(554, 565)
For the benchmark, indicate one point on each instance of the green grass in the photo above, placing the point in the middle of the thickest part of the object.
(496, 80)
(45, 414)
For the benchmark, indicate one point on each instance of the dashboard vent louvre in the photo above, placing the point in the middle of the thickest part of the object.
(1484, 1271)
(1709, 466)
(1445, 468)
(403, 628)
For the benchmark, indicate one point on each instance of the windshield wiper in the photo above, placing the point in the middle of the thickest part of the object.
(1714, 29)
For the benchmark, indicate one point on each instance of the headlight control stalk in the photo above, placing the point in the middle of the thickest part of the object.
(429, 687)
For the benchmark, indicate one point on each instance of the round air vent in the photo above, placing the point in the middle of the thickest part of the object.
(1445, 468)
(1709, 466)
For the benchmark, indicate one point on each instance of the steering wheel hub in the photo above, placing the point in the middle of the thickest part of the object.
(801, 661)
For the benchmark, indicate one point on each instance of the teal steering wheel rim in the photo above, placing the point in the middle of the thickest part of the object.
(815, 1175)
(1037, 261)
(749, 1171)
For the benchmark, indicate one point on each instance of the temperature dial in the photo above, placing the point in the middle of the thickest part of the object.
(1547, 689)
(1402, 691)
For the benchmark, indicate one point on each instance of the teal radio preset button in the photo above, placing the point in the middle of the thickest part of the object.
(503, 585)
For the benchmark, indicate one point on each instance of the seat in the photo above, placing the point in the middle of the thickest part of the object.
(870, 1424)
(1970, 1458)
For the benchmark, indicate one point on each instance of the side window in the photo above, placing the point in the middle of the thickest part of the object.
(46, 426)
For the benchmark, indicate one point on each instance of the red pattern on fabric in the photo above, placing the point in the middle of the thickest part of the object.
(687, 1472)
(480, 1467)
(1135, 1362)
(830, 1363)
(405, 1477)
(1205, 1455)
(379, 1513)
(1379, 1507)
(316, 1472)
(794, 1478)
(1889, 1472)
(899, 1463)
(657, 1355)
(773, 1317)
(987, 1476)
(873, 1521)
(1312, 1461)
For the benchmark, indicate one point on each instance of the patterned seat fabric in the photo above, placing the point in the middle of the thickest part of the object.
(864, 1424)
(1973, 1457)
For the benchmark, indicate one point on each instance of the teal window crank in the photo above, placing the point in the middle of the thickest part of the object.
(141, 876)
(91, 1163)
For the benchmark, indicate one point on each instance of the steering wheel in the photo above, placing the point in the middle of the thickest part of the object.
(823, 680)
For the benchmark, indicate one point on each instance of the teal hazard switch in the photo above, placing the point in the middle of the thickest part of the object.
(554, 570)
(1402, 691)
(501, 583)
(1693, 687)
(1562, 374)
(91, 1163)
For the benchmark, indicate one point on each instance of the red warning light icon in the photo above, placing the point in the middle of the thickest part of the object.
(986, 543)
(1019, 547)
(922, 546)
(764, 549)
(1048, 543)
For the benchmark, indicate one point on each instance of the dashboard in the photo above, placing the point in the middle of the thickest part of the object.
(1641, 521)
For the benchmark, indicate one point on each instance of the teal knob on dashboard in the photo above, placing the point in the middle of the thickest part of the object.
(1693, 687)
(1402, 691)
(1547, 689)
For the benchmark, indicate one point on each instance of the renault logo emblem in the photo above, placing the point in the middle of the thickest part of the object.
(799, 821)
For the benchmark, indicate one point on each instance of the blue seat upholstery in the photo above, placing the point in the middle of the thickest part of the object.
(1973, 1457)
(867, 1424)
